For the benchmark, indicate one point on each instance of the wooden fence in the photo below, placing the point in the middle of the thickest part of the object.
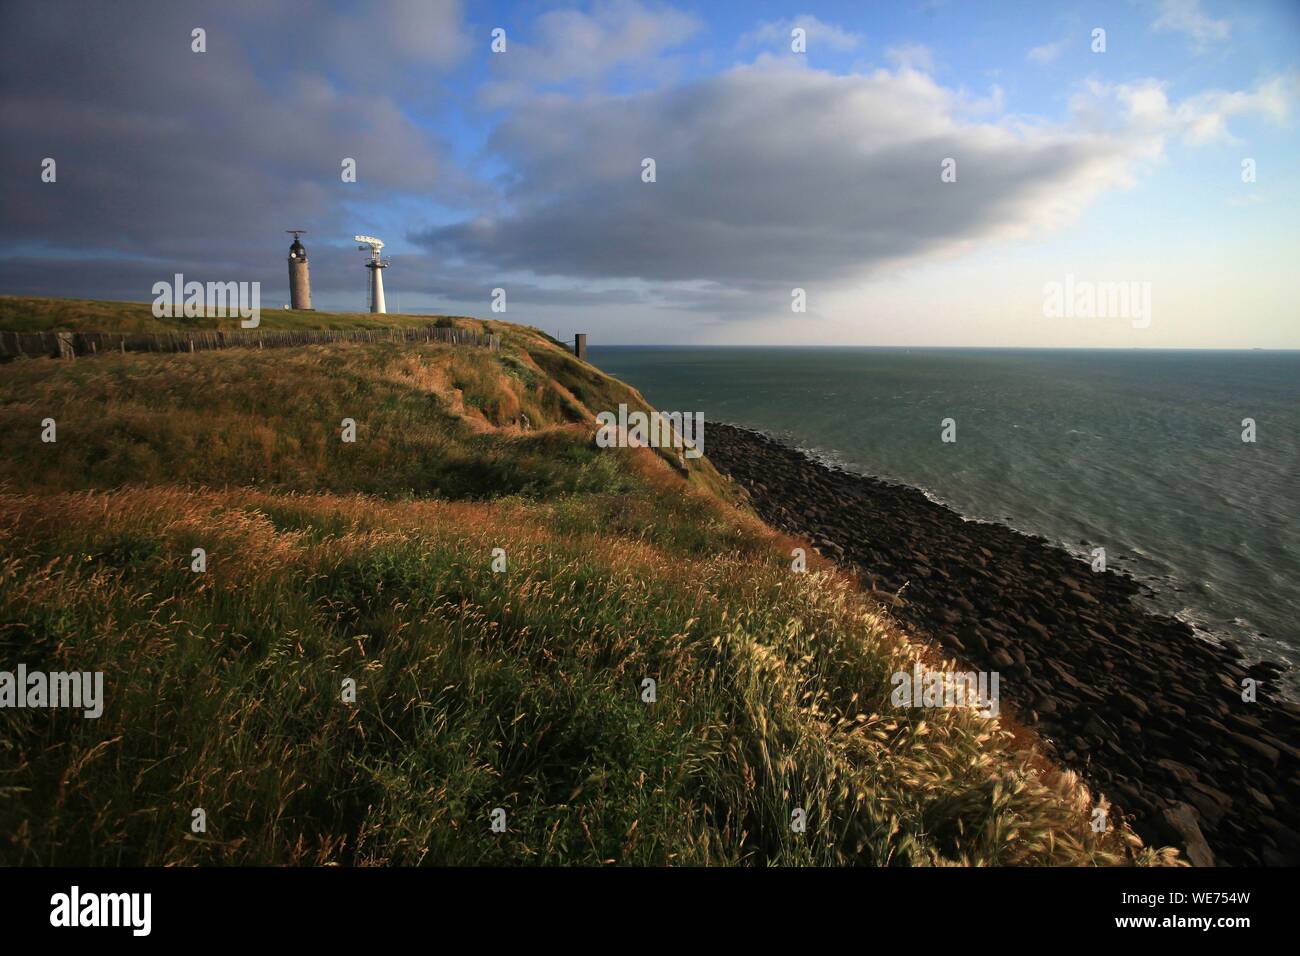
(73, 344)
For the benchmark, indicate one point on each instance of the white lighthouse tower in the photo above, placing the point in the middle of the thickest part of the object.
(375, 264)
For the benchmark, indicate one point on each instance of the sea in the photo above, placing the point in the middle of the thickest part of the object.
(1141, 452)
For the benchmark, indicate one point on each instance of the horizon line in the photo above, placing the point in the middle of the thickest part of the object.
(1023, 348)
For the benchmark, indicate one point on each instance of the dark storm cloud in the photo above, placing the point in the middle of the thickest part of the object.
(768, 174)
(170, 156)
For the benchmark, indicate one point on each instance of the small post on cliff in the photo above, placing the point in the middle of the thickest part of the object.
(580, 345)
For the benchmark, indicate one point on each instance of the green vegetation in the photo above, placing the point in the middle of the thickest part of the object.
(26, 314)
(475, 690)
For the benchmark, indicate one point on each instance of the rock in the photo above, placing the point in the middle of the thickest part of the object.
(968, 634)
(1123, 695)
(1280, 746)
(1259, 798)
(1212, 803)
(1273, 857)
(1098, 728)
(1176, 770)
(1038, 629)
(1131, 799)
(1181, 819)
(1258, 746)
(1132, 704)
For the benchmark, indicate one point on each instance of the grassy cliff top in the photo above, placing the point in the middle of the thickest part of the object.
(31, 314)
(498, 591)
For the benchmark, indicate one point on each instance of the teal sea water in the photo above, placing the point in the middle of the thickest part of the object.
(1139, 452)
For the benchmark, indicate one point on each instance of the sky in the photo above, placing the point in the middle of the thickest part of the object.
(922, 173)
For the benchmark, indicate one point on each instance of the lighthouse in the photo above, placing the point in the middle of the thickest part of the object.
(299, 280)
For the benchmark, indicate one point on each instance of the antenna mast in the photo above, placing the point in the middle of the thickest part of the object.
(375, 263)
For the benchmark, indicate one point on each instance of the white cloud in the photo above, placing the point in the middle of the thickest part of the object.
(1187, 18)
(912, 56)
(819, 33)
(1199, 119)
(1046, 53)
(773, 173)
(776, 173)
(570, 45)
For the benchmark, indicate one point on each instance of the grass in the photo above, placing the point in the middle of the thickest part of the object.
(30, 314)
(522, 690)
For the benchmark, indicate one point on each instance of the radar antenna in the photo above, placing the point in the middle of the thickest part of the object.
(374, 264)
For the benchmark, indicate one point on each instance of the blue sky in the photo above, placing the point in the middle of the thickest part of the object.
(776, 170)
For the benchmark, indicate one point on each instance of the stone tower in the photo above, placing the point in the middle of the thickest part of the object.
(299, 279)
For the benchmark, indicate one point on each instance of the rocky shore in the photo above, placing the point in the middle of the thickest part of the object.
(1150, 714)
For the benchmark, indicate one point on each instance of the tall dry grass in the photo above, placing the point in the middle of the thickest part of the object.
(475, 690)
